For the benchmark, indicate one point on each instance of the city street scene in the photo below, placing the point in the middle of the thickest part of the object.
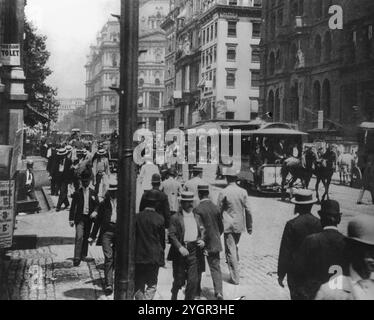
(187, 150)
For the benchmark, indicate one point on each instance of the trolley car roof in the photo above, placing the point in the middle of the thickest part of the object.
(277, 131)
(367, 125)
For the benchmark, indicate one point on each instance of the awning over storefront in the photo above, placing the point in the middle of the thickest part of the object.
(33, 116)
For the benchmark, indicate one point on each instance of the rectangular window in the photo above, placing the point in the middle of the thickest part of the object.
(207, 35)
(215, 54)
(231, 53)
(215, 30)
(214, 79)
(256, 33)
(230, 115)
(203, 37)
(233, 2)
(255, 78)
(231, 30)
(255, 54)
(154, 100)
(230, 79)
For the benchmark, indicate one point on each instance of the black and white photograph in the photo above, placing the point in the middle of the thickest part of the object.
(208, 151)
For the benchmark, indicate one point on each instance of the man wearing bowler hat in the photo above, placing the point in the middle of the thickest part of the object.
(162, 205)
(212, 221)
(192, 184)
(357, 281)
(322, 251)
(149, 247)
(82, 212)
(295, 231)
(186, 235)
(233, 203)
(106, 222)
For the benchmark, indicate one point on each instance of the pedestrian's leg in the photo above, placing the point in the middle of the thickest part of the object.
(86, 235)
(372, 194)
(139, 282)
(79, 231)
(361, 196)
(232, 257)
(178, 277)
(63, 195)
(215, 271)
(192, 273)
(237, 239)
(151, 282)
(108, 255)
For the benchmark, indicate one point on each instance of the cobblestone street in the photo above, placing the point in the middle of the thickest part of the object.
(41, 268)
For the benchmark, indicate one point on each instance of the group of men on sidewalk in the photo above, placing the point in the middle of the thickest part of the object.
(186, 216)
(320, 262)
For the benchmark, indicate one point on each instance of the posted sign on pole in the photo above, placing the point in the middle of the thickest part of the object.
(6, 214)
(10, 54)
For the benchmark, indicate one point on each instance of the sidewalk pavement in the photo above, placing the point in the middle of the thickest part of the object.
(40, 267)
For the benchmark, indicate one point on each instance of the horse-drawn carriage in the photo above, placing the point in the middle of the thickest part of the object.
(365, 149)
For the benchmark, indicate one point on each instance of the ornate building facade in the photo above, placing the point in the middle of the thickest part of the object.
(212, 61)
(318, 79)
(102, 103)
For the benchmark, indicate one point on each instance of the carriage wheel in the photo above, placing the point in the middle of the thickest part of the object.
(356, 178)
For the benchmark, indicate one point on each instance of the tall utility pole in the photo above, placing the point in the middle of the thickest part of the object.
(125, 247)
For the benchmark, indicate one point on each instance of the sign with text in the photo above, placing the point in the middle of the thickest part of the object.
(10, 54)
(6, 214)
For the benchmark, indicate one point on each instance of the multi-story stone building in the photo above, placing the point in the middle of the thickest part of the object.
(315, 77)
(213, 61)
(67, 106)
(103, 71)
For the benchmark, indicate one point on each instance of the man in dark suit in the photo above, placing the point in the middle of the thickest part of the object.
(52, 168)
(106, 222)
(321, 251)
(186, 235)
(212, 221)
(83, 209)
(295, 231)
(27, 182)
(64, 178)
(149, 248)
(162, 206)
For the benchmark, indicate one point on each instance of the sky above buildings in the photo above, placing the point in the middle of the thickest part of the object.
(71, 27)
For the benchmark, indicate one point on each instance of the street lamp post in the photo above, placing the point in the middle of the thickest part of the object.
(125, 246)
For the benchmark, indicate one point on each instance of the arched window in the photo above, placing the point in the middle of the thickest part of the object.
(317, 49)
(293, 54)
(318, 8)
(270, 107)
(327, 46)
(326, 98)
(278, 60)
(271, 63)
(277, 106)
(114, 60)
(157, 82)
(141, 82)
(317, 96)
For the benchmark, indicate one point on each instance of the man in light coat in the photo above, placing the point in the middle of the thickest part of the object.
(172, 188)
(193, 184)
(234, 205)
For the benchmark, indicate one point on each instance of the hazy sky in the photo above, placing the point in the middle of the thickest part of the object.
(71, 26)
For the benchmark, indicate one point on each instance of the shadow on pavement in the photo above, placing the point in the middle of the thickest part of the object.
(54, 241)
(32, 241)
(81, 294)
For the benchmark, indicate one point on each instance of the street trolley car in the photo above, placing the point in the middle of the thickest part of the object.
(266, 178)
(365, 150)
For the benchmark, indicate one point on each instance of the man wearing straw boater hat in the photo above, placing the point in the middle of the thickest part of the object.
(186, 235)
(295, 231)
(212, 221)
(321, 251)
(106, 222)
(82, 212)
(357, 281)
(149, 247)
(233, 204)
(64, 177)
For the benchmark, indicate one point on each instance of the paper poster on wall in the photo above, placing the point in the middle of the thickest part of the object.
(6, 214)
